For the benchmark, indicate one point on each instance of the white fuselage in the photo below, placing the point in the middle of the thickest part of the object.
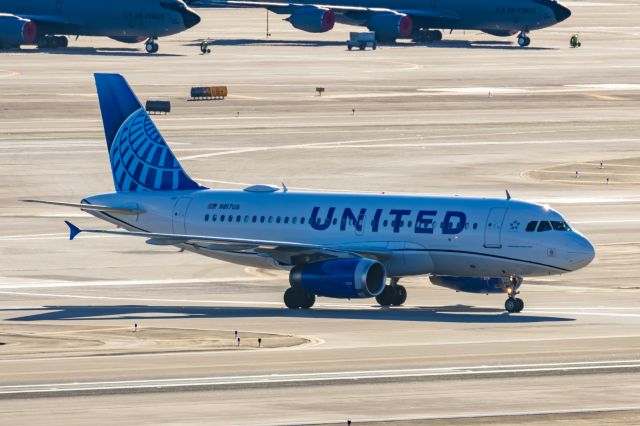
(422, 234)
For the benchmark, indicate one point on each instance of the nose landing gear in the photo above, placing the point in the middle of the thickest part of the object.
(523, 39)
(393, 294)
(513, 304)
(152, 46)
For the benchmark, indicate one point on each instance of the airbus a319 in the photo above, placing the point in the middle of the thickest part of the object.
(340, 245)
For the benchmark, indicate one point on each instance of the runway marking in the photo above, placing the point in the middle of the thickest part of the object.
(335, 376)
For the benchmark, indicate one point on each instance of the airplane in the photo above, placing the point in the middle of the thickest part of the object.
(337, 245)
(46, 23)
(419, 20)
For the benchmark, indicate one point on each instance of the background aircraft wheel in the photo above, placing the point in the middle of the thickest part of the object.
(527, 41)
(62, 42)
(519, 304)
(309, 300)
(400, 295)
(511, 305)
(522, 41)
(152, 46)
(437, 35)
(386, 297)
(349, 47)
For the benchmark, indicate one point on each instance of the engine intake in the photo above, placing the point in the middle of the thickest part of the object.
(341, 278)
(313, 19)
(16, 31)
(391, 26)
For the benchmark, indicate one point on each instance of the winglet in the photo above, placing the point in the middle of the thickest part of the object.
(73, 230)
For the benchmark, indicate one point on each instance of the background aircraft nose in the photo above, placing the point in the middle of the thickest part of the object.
(561, 12)
(190, 18)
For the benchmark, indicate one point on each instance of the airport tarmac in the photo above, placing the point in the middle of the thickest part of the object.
(473, 115)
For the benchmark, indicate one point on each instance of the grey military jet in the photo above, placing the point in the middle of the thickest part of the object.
(420, 20)
(46, 23)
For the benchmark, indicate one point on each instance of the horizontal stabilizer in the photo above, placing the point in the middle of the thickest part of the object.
(73, 230)
(90, 207)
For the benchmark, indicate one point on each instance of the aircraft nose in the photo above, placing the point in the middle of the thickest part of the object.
(190, 18)
(561, 12)
(581, 252)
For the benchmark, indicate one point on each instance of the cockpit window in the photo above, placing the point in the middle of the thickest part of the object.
(531, 226)
(560, 225)
(544, 226)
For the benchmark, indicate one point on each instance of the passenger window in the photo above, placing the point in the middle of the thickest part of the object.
(409, 224)
(221, 218)
(531, 226)
(385, 223)
(206, 218)
(238, 218)
(214, 218)
(544, 226)
(294, 220)
(335, 220)
(302, 221)
(261, 219)
(246, 219)
(475, 225)
(270, 219)
(254, 219)
(278, 219)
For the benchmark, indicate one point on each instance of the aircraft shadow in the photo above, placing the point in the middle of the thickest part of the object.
(443, 314)
(103, 51)
(447, 44)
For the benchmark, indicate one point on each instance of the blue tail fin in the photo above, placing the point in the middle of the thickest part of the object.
(140, 158)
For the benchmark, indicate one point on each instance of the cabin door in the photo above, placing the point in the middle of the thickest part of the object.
(493, 227)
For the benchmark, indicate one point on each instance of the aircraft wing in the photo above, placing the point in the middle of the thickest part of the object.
(285, 7)
(284, 252)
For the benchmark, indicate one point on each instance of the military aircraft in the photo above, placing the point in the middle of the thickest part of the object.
(419, 20)
(46, 23)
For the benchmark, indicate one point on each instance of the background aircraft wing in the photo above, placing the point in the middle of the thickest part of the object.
(284, 252)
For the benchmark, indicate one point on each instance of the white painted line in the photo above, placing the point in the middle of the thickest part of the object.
(481, 370)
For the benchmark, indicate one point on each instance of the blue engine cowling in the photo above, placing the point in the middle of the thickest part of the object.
(390, 26)
(313, 19)
(472, 284)
(15, 31)
(341, 278)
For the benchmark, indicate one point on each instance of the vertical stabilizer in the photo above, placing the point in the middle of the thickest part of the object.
(140, 158)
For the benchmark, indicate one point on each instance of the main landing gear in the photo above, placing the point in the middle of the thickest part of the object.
(523, 39)
(514, 304)
(423, 35)
(52, 42)
(152, 46)
(298, 298)
(393, 294)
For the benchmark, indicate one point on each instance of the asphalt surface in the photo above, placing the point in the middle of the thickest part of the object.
(472, 115)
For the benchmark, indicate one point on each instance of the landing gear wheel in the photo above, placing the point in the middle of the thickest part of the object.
(519, 304)
(523, 39)
(387, 297)
(436, 35)
(511, 305)
(151, 46)
(400, 295)
(296, 298)
(62, 42)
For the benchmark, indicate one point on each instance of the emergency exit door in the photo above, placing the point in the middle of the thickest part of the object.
(180, 210)
(493, 227)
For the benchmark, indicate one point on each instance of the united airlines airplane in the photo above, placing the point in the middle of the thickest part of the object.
(334, 245)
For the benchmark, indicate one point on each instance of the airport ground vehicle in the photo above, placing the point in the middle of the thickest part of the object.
(362, 41)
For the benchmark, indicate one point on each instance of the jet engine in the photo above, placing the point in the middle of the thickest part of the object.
(16, 31)
(390, 26)
(341, 278)
(313, 19)
(471, 284)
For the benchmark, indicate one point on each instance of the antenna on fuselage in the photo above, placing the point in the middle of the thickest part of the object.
(284, 187)
(508, 195)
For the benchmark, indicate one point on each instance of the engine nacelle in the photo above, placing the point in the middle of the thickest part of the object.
(16, 31)
(473, 284)
(341, 278)
(391, 26)
(313, 19)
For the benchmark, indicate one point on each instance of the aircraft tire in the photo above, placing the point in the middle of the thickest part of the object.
(400, 295)
(437, 35)
(511, 305)
(519, 304)
(309, 301)
(292, 298)
(386, 297)
(62, 42)
(522, 41)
